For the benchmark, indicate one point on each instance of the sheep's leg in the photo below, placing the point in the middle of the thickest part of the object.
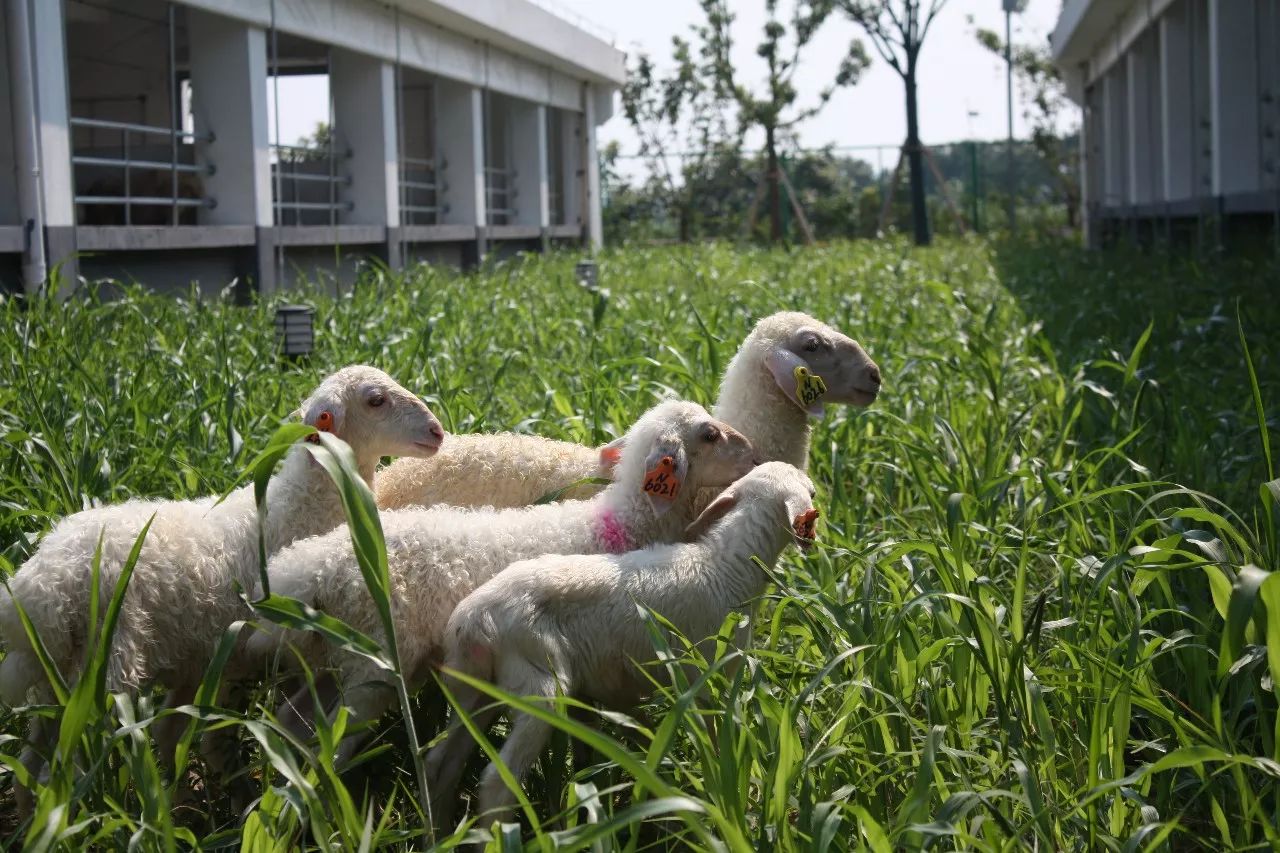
(582, 753)
(367, 702)
(41, 737)
(524, 744)
(296, 715)
(220, 747)
(448, 759)
(167, 730)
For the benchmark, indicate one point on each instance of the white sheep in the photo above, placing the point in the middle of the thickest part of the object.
(437, 556)
(786, 369)
(570, 624)
(182, 595)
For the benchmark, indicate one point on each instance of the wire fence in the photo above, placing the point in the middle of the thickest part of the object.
(841, 191)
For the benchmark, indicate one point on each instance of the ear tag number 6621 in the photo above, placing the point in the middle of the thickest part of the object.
(661, 480)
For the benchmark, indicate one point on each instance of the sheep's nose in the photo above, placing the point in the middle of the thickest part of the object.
(437, 431)
(873, 374)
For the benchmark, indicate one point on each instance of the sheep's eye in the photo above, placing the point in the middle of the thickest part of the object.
(811, 345)
(711, 435)
(377, 400)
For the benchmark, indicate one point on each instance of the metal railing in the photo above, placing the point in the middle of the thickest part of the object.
(555, 205)
(500, 195)
(180, 195)
(289, 182)
(422, 191)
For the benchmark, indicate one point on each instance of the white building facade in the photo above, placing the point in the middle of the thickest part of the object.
(1181, 102)
(140, 137)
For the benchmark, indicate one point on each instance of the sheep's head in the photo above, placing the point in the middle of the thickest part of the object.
(773, 484)
(374, 414)
(813, 364)
(677, 448)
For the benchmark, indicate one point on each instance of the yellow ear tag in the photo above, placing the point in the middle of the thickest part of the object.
(809, 386)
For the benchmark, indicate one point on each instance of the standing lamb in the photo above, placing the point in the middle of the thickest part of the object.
(182, 595)
(569, 624)
(437, 556)
(783, 374)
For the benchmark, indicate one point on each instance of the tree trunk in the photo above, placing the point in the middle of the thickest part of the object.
(775, 197)
(915, 159)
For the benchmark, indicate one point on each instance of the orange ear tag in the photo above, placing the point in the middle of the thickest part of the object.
(805, 525)
(324, 423)
(661, 480)
(809, 386)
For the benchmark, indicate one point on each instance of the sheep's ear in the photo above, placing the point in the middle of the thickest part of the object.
(715, 511)
(609, 455)
(801, 385)
(326, 415)
(665, 470)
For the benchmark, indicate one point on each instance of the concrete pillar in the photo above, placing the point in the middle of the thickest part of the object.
(595, 220)
(1233, 92)
(1115, 113)
(364, 119)
(1145, 152)
(229, 99)
(1090, 154)
(1177, 115)
(1269, 77)
(8, 130)
(571, 192)
(1202, 148)
(461, 141)
(56, 178)
(529, 159)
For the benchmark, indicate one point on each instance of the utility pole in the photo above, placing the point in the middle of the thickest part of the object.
(1011, 6)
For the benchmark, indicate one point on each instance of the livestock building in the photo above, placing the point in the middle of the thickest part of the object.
(1181, 104)
(145, 146)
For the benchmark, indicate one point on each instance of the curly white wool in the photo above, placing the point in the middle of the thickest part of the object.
(183, 593)
(570, 624)
(756, 397)
(437, 556)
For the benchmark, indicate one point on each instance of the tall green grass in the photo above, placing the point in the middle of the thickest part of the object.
(1039, 615)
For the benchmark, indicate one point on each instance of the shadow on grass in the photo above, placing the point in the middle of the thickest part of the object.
(1191, 391)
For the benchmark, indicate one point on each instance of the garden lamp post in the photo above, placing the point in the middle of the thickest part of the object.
(295, 330)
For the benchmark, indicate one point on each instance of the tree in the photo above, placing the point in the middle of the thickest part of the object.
(1046, 95)
(897, 29)
(311, 148)
(680, 117)
(769, 111)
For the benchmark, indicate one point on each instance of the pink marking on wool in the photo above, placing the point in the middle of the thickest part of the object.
(613, 533)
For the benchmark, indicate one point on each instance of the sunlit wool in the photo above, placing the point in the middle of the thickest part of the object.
(508, 470)
(183, 592)
(437, 556)
(571, 625)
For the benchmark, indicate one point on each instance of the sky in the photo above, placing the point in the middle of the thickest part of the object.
(962, 85)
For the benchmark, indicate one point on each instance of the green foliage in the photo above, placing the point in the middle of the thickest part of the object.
(1042, 613)
(1044, 93)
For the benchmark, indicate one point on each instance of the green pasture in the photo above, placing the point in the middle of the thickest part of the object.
(1041, 614)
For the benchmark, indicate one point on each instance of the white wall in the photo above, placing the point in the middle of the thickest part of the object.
(364, 106)
(8, 180)
(1233, 74)
(229, 98)
(461, 142)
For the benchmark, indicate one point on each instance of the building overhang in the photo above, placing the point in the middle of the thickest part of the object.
(522, 28)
